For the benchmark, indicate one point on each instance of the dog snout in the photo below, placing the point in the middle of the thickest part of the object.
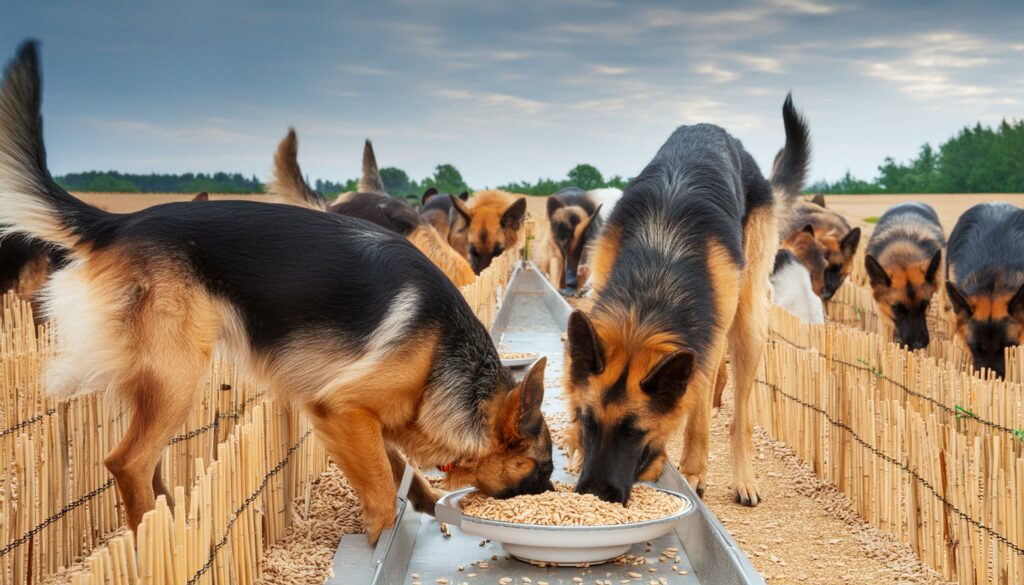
(605, 490)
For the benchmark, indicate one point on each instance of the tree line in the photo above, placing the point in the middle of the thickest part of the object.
(979, 159)
(445, 178)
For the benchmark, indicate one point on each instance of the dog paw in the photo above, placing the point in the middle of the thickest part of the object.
(426, 501)
(697, 484)
(745, 493)
(375, 525)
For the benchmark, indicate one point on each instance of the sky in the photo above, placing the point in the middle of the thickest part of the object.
(507, 91)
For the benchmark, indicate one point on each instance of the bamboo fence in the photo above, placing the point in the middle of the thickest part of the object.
(58, 502)
(925, 450)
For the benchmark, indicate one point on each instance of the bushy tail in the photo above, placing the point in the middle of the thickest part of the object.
(31, 203)
(790, 167)
(370, 182)
(288, 185)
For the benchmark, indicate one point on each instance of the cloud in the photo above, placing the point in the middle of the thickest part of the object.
(353, 69)
(610, 70)
(716, 73)
(204, 133)
(760, 63)
(935, 64)
(495, 100)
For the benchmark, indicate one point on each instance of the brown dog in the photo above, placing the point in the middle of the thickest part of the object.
(834, 233)
(495, 220)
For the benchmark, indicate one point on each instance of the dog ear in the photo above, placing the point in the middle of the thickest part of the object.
(554, 204)
(459, 209)
(876, 273)
(667, 382)
(809, 229)
(849, 242)
(958, 299)
(531, 396)
(585, 349)
(933, 267)
(427, 195)
(513, 216)
(464, 195)
(818, 199)
(203, 196)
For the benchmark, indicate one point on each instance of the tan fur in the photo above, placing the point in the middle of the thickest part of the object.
(485, 233)
(742, 307)
(154, 333)
(287, 184)
(605, 253)
(455, 267)
(811, 254)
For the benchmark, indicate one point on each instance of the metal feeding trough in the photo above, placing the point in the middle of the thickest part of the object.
(532, 318)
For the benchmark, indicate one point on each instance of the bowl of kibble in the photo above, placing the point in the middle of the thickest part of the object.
(517, 359)
(562, 527)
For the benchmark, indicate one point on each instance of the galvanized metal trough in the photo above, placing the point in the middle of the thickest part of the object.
(532, 318)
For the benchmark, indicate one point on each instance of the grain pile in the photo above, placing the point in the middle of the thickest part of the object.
(564, 507)
(514, 355)
(304, 556)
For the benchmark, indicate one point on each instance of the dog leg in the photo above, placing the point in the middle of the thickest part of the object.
(746, 342)
(422, 495)
(354, 441)
(160, 408)
(694, 462)
(159, 487)
(721, 379)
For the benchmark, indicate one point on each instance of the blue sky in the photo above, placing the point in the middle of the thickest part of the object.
(507, 90)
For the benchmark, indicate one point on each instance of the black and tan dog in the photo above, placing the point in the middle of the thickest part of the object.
(495, 220)
(680, 277)
(985, 281)
(834, 233)
(372, 205)
(339, 317)
(574, 222)
(437, 209)
(903, 258)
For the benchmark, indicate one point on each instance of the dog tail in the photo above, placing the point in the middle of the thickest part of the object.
(288, 185)
(31, 202)
(370, 182)
(790, 167)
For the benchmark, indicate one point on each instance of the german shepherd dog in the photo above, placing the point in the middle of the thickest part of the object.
(810, 253)
(574, 222)
(436, 208)
(680, 275)
(834, 233)
(374, 206)
(345, 320)
(495, 219)
(902, 261)
(985, 281)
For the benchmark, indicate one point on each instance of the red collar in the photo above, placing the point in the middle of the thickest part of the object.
(447, 466)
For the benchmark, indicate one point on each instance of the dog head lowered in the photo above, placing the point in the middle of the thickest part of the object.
(519, 461)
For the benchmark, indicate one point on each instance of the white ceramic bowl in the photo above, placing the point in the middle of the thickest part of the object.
(563, 545)
(519, 362)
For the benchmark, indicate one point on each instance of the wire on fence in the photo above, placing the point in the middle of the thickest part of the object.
(248, 502)
(957, 411)
(903, 467)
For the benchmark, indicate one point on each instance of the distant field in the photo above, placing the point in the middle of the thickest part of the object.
(857, 208)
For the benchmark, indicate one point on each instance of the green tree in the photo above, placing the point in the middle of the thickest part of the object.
(586, 177)
(396, 181)
(447, 179)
